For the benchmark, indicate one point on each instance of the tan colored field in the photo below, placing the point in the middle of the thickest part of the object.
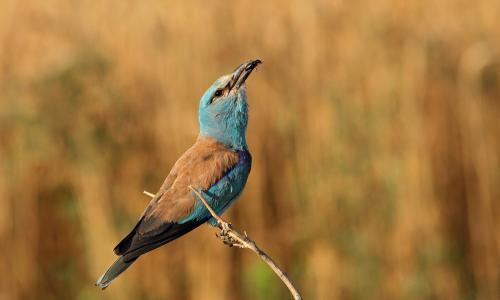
(375, 133)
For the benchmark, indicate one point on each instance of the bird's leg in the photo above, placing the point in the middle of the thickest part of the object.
(225, 229)
(229, 236)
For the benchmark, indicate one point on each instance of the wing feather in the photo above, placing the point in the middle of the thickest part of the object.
(201, 166)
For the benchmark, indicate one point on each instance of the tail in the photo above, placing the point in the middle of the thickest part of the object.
(116, 269)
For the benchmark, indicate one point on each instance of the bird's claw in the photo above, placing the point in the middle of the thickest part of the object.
(226, 239)
(225, 228)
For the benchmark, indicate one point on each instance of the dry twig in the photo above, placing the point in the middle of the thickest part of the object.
(231, 237)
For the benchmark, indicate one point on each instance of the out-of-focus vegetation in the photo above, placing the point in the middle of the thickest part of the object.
(374, 130)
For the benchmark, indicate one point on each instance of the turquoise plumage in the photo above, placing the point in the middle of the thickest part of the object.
(218, 165)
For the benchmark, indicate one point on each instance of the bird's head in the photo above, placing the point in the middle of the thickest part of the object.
(223, 108)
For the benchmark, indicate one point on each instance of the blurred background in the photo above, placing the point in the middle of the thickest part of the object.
(374, 130)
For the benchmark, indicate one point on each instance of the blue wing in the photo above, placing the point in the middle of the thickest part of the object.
(219, 173)
(223, 193)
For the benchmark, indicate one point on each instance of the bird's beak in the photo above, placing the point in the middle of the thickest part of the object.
(242, 72)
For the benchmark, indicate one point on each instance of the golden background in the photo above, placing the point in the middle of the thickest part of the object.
(374, 130)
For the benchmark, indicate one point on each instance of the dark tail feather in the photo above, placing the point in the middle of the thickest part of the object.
(116, 269)
(123, 246)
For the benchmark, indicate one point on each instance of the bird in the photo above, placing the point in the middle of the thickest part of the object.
(217, 165)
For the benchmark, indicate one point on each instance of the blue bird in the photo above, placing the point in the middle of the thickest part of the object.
(217, 164)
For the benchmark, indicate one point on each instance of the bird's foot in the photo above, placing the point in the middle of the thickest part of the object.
(224, 235)
(226, 227)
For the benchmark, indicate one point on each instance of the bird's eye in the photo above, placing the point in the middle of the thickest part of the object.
(218, 93)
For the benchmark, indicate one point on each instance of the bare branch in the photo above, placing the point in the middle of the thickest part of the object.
(149, 194)
(231, 237)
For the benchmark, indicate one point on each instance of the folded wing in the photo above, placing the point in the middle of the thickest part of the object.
(170, 214)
